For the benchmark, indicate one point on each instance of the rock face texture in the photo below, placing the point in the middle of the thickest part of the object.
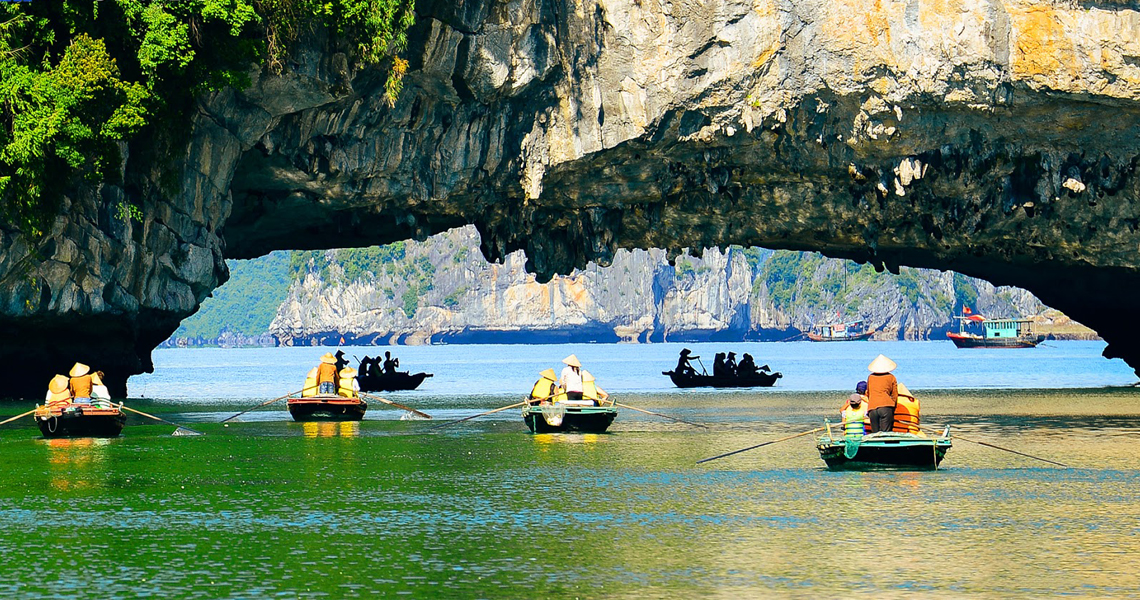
(997, 139)
(438, 291)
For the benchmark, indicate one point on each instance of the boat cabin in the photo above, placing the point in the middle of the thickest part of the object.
(998, 328)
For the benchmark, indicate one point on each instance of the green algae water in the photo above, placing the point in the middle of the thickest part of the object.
(271, 508)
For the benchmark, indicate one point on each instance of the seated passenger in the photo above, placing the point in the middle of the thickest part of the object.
(747, 366)
(855, 420)
(719, 368)
(58, 395)
(80, 383)
(545, 389)
(906, 412)
(99, 393)
(590, 390)
(326, 375)
(349, 387)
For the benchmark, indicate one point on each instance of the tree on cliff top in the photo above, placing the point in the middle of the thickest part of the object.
(80, 77)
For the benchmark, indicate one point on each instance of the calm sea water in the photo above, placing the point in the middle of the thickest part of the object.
(267, 507)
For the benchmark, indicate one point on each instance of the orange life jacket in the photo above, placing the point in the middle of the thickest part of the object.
(906, 416)
(326, 373)
(80, 386)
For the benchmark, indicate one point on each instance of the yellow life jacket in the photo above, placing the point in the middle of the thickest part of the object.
(310, 384)
(545, 388)
(906, 416)
(346, 388)
(853, 420)
(589, 387)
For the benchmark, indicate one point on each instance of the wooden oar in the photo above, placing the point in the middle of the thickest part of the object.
(397, 405)
(264, 404)
(10, 419)
(515, 405)
(996, 447)
(703, 460)
(181, 429)
(649, 412)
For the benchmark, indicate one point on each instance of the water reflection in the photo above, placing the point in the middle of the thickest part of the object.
(77, 463)
(316, 429)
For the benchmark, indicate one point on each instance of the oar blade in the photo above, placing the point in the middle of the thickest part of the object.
(186, 431)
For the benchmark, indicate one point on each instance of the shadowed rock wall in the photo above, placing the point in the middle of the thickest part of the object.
(998, 139)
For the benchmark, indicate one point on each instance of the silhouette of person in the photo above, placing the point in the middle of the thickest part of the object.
(720, 368)
(684, 367)
(390, 363)
(730, 363)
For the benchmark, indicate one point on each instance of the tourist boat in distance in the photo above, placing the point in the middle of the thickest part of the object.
(327, 408)
(851, 331)
(758, 379)
(80, 420)
(994, 333)
(562, 418)
(882, 451)
(390, 382)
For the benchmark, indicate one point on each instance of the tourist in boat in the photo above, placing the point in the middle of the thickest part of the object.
(747, 366)
(861, 389)
(58, 393)
(348, 387)
(684, 367)
(719, 368)
(81, 383)
(882, 393)
(906, 412)
(591, 391)
(326, 375)
(571, 378)
(341, 361)
(546, 388)
(855, 420)
(730, 364)
(390, 363)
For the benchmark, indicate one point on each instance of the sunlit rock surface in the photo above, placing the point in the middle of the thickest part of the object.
(998, 139)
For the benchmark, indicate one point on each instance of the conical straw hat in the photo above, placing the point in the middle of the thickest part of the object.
(548, 374)
(348, 372)
(572, 361)
(79, 370)
(328, 358)
(57, 384)
(904, 392)
(881, 364)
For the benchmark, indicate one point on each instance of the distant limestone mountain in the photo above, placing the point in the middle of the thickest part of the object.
(442, 291)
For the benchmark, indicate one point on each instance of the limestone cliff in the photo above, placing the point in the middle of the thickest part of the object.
(439, 291)
(997, 139)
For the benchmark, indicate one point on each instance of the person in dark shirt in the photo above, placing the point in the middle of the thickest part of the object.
(684, 367)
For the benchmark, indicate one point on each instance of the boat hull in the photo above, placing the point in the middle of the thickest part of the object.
(327, 408)
(885, 451)
(969, 341)
(102, 423)
(692, 381)
(392, 382)
(815, 337)
(551, 418)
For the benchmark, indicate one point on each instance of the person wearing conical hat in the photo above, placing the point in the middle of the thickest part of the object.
(349, 387)
(684, 367)
(326, 375)
(58, 391)
(882, 393)
(571, 379)
(906, 412)
(80, 383)
(545, 388)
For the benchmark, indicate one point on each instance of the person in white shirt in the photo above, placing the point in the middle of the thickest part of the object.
(571, 379)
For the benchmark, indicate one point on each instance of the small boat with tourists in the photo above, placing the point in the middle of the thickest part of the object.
(562, 417)
(390, 382)
(851, 331)
(882, 451)
(976, 331)
(326, 408)
(103, 420)
(692, 380)
(550, 408)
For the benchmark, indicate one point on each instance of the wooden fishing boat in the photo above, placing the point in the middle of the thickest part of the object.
(758, 379)
(994, 333)
(391, 382)
(80, 420)
(883, 451)
(852, 331)
(560, 418)
(327, 408)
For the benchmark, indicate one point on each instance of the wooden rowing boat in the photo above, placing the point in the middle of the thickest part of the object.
(327, 408)
(391, 382)
(560, 418)
(883, 451)
(80, 420)
(758, 379)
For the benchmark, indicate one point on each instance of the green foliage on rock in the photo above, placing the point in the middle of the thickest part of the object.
(79, 78)
(247, 303)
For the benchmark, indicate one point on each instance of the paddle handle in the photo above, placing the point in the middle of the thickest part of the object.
(264, 404)
(139, 412)
(19, 416)
(783, 439)
(515, 405)
(659, 415)
(397, 405)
